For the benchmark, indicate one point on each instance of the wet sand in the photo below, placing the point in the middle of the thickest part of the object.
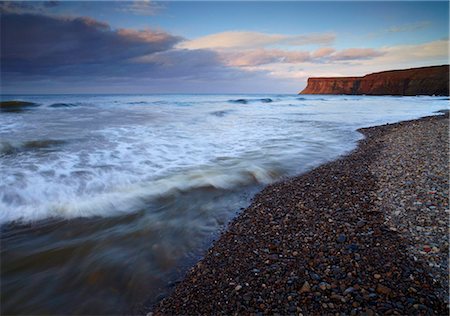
(365, 234)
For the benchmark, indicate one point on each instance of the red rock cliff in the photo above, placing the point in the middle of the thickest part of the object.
(415, 81)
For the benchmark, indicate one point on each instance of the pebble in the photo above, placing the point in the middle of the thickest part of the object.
(360, 223)
(412, 290)
(381, 289)
(323, 286)
(349, 290)
(341, 238)
(377, 196)
(305, 288)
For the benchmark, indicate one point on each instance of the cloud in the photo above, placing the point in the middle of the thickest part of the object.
(23, 6)
(409, 27)
(323, 52)
(356, 54)
(403, 28)
(33, 43)
(147, 36)
(83, 54)
(431, 50)
(51, 3)
(198, 64)
(363, 61)
(329, 62)
(86, 55)
(247, 49)
(243, 40)
(257, 57)
(141, 7)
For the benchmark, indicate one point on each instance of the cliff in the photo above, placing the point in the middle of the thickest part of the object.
(432, 80)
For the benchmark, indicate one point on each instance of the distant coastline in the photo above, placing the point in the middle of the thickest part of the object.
(432, 80)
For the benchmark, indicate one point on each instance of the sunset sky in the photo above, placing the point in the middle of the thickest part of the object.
(211, 47)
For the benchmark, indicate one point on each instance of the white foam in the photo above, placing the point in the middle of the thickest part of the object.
(122, 199)
(116, 157)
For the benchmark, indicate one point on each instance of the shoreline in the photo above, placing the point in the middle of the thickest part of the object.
(329, 242)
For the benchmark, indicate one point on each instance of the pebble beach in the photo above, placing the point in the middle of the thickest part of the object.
(366, 234)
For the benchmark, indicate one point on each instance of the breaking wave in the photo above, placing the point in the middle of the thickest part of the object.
(138, 102)
(245, 101)
(7, 148)
(109, 158)
(64, 105)
(20, 207)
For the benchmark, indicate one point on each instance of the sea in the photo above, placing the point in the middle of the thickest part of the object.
(107, 200)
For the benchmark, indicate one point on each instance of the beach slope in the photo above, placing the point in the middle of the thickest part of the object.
(364, 234)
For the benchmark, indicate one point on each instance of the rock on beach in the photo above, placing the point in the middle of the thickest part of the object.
(345, 238)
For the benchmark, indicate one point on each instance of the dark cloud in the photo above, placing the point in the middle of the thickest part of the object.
(21, 7)
(172, 71)
(18, 7)
(189, 64)
(54, 53)
(33, 43)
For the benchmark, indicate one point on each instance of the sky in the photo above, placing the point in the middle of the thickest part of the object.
(211, 46)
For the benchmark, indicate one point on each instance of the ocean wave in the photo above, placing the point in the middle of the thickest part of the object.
(120, 152)
(163, 102)
(64, 105)
(7, 148)
(312, 99)
(128, 198)
(138, 102)
(221, 113)
(245, 101)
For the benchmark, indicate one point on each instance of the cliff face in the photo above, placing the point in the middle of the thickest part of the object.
(416, 81)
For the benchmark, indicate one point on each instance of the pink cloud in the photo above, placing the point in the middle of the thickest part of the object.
(258, 57)
(143, 35)
(356, 54)
(250, 58)
(246, 40)
(323, 52)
